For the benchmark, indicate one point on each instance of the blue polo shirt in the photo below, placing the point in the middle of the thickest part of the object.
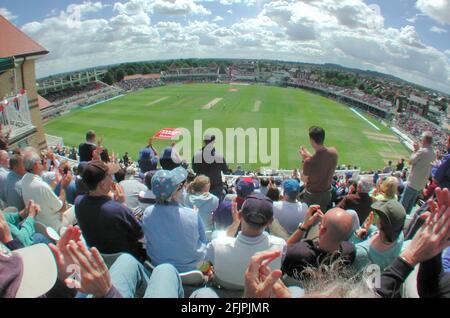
(174, 234)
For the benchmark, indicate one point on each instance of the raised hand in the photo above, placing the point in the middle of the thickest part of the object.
(95, 277)
(5, 233)
(364, 230)
(260, 280)
(61, 253)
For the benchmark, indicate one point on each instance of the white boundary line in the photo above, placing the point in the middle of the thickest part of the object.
(364, 118)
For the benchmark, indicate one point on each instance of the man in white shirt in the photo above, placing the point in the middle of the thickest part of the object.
(421, 160)
(290, 212)
(54, 209)
(231, 255)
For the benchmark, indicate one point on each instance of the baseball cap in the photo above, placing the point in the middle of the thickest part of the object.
(209, 137)
(96, 170)
(392, 217)
(245, 187)
(28, 272)
(257, 209)
(165, 182)
(291, 187)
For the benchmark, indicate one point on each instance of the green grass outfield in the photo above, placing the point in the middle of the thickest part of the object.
(126, 123)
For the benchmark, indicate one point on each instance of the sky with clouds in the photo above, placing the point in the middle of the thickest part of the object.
(405, 38)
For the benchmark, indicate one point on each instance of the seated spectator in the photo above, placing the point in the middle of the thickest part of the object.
(174, 234)
(264, 186)
(441, 173)
(107, 224)
(54, 210)
(334, 229)
(4, 170)
(387, 243)
(21, 225)
(131, 186)
(361, 201)
(147, 198)
(290, 212)
(239, 171)
(273, 194)
(13, 185)
(222, 217)
(230, 255)
(428, 192)
(446, 260)
(70, 188)
(387, 190)
(199, 198)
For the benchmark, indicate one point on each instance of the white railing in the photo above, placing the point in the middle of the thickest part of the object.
(15, 115)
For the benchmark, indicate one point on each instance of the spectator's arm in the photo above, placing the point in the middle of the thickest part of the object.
(428, 278)
(393, 277)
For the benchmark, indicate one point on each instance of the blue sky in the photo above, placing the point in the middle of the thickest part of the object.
(406, 38)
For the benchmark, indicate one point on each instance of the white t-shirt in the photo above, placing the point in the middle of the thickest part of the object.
(230, 256)
(34, 188)
(289, 214)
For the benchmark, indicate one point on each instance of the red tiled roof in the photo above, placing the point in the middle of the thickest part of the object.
(43, 103)
(152, 76)
(13, 42)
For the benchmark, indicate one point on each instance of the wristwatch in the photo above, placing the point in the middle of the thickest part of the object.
(301, 228)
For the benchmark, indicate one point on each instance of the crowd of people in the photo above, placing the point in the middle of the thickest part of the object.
(138, 83)
(133, 229)
(415, 125)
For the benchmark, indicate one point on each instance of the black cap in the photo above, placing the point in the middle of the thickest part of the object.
(257, 210)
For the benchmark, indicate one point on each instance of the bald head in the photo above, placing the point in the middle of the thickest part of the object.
(336, 227)
(4, 159)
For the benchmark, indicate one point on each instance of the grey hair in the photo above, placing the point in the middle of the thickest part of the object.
(334, 280)
(365, 184)
(428, 137)
(30, 158)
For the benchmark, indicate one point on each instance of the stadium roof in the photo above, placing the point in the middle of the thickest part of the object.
(13, 42)
(43, 103)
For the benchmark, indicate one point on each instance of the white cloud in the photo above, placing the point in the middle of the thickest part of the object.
(178, 7)
(7, 14)
(438, 10)
(231, 2)
(230, 11)
(437, 29)
(346, 32)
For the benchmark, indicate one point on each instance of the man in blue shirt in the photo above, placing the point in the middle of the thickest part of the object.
(13, 188)
(174, 234)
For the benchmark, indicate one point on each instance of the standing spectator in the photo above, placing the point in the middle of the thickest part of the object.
(13, 189)
(290, 212)
(148, 158)
(107, 224)
(400, 165)
(70, 189)
(4, 170)
(126, 159)
(86, 149)
(211, 164)
(54, 210)
(73, 154)
(170, 159)
(318, 169)
(421, 160)
(174, 234)
(360, 201)
(388, 169)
